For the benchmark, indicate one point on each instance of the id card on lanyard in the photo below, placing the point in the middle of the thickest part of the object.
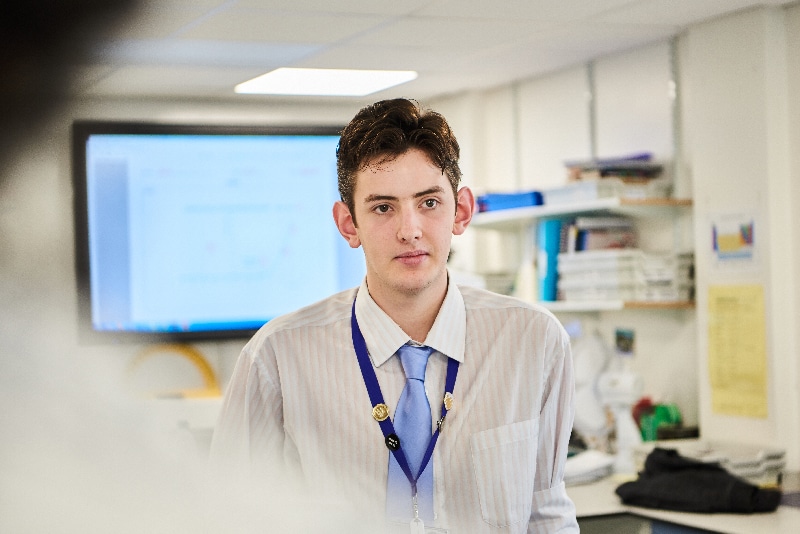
(380, 413)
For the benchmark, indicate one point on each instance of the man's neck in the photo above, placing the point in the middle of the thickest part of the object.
(413, 313)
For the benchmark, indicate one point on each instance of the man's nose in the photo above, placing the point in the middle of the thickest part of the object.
(410, 228)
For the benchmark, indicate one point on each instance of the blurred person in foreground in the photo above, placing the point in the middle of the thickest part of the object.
(410, 400)
(77, 454)
(41, 44)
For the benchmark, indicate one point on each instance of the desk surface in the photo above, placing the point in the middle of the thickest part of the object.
(598, 498)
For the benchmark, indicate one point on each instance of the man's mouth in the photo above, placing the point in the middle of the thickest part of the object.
(412, 257)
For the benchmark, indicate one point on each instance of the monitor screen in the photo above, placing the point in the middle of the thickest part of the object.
(189, 232)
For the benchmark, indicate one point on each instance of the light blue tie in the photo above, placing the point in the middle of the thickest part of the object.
(412, 424)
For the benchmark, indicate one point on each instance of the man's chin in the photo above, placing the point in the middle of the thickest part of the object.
(416, 285)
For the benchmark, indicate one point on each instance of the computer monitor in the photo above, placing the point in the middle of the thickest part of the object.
(188, 232)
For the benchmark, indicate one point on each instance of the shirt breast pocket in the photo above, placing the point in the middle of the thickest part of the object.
(504, 460)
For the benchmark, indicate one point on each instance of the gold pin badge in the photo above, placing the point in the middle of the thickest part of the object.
(448, 400)
(380, 412)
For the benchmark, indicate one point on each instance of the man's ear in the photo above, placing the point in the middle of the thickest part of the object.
(465, 207)
(345, 224)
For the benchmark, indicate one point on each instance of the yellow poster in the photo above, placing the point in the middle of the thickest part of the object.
(737, 355)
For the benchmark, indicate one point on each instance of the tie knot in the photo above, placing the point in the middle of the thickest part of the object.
(414, 360)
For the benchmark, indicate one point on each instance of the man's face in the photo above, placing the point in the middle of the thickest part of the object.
(406, 217)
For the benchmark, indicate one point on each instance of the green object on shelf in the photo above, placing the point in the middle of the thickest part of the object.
(662, 414)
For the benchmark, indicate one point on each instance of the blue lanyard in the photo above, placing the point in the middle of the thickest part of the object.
(376, 398)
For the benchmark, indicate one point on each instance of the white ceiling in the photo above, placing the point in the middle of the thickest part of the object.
(203, 48)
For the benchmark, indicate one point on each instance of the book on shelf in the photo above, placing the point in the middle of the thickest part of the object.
(558, 237)
(590, 190)
(549, 244)
(610, 221)
(634, 167)
(598, 233)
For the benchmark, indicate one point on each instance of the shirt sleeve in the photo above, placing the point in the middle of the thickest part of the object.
(249, 436)
(553, 510)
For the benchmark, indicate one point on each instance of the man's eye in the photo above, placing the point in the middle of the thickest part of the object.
(431, 203)
(383, 208)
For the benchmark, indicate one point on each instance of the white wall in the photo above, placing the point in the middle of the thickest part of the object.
(740, 80)
(789, 381)
(554, 123)
(634, 103)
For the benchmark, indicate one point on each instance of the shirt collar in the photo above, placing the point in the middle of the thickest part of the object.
(383, 336)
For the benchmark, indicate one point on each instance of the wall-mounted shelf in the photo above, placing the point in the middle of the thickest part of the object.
(523, 220)
(515, 219)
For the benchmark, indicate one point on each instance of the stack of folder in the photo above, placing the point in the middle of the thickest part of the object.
(625, 274)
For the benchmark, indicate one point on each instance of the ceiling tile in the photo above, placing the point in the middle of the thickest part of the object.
(409, 57)
(676, 12)
(203, 52)
(340, 6)
(608, 38)
(518, 10)
(520, 62)
(148, 81)
(83, 77)
(466, 34)
(268, 26)
(158, 18)
(431, 86)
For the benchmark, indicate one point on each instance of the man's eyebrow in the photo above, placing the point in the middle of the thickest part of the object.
(431, 191)
(377, 198)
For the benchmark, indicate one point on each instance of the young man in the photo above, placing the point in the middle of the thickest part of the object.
(327, 394)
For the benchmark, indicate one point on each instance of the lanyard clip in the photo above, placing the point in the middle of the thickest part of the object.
(440, 423)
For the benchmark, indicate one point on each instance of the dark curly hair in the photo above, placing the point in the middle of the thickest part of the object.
(387, 129)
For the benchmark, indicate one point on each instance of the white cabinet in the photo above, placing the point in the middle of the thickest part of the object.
(661, 215)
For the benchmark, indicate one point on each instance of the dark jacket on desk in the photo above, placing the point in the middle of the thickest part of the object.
(673, 482)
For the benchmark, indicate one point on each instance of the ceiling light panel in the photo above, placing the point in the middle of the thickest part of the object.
(324, 82)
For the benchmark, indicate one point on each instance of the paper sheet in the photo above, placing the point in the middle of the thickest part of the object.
(737, 358)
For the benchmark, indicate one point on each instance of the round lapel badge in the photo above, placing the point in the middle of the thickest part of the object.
(380, 412)
(448, 400)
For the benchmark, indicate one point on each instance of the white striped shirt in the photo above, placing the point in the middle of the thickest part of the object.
(297, 399)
